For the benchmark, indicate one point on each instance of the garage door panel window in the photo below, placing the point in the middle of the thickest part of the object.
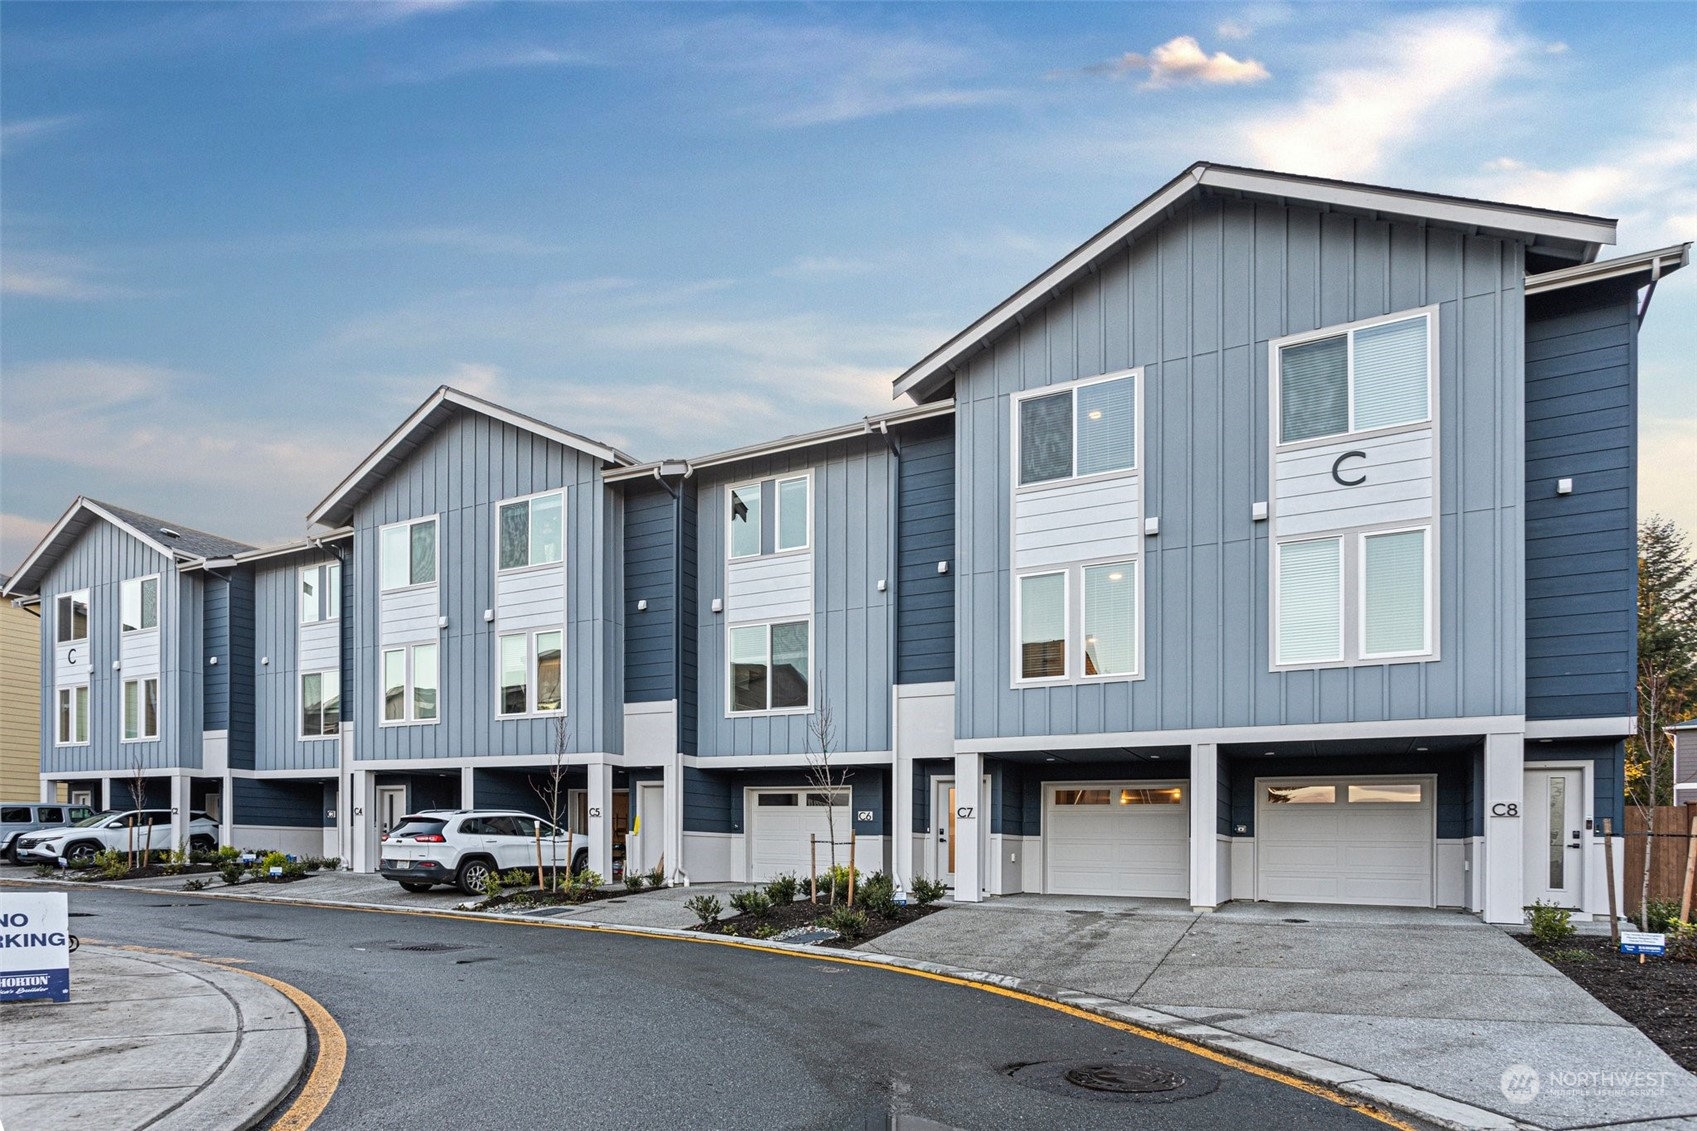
(1393, 793)
(770, 800)
(769, 665)
(1302, 794)
(1081, 797)
(1169, 796)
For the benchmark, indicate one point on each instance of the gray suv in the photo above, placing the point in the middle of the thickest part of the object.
(18, 817)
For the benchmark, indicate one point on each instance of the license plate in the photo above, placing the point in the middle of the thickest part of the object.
(403, 864)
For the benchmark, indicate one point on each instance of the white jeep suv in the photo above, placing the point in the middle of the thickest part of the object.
(463, 846)
(78, 844)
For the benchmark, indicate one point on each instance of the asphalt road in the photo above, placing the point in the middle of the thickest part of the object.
(468, 1025)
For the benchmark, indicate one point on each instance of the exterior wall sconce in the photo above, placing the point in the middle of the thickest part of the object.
(1564, 486)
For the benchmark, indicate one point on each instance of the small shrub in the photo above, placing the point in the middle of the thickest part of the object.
(877, 896)
(518, 877)
(45, 871)
(763, 931)
(705, 908)
(657, 878)
(262, 867)
(1550, 924)
(752, 902)
(330, 863)
(197, 856)
(927, 892)
(1569, 954)
(231, 874)
(294, 870)
(634, 881)
(228, 854)
(492, 884)
(112, 864)
(1659, 915)
(588, 879)
(834, 883)
(1682, 941)
(781, 889)
(176, 860)
(849, 922)
(194, 885)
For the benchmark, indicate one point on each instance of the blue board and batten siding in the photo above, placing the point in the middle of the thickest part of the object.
(99, 561)
(1581, 549)
(460, 473)
(853, 630)
(241, 663)
(1196, 301)
(276, 684)
(925, 537)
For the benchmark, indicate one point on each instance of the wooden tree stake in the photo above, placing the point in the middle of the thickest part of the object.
(852, 839)
(813, 867)
(1690, 872)
(538, 826)
(1609, 867)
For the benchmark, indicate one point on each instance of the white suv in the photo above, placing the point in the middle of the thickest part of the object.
(463, 846)
(79, 843)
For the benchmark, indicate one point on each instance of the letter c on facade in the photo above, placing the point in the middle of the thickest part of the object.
(1338, 464)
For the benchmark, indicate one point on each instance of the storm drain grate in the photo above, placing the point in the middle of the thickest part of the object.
(1138, 1078)
(428, 947)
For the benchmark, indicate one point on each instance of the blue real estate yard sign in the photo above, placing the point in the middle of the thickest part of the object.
(1642, 942)
(35, 950)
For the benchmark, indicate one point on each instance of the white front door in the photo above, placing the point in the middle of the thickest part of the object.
(943, 830)
(82, 797)
(1552, 826)
(391, 807)
(648, 827)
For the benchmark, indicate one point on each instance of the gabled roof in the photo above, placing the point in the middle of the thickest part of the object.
(171, 539)
(1571, 236)
(881, 422)
(337, 509)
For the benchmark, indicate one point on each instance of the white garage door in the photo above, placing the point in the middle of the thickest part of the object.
(1346, 840)
(779, 823)
(1116, 838)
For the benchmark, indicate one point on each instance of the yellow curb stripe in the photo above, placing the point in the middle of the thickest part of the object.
(1321, 1091)
(332, 1057)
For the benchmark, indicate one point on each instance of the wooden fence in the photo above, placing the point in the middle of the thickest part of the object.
(1667, 854)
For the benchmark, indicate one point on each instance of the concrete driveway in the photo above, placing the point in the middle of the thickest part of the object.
(1433, 999)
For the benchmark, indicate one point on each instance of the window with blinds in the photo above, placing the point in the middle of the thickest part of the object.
(1089, 429)
(1376, 376)
(1310, 601)
(1110, 619)
(1393, 594)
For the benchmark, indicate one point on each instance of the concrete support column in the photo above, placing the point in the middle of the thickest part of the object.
(1204, 826)
(600, 805)
(1505, 802)
(362, 817)
(972, 818)
(672, 778)
(180, 795)
(901, 817)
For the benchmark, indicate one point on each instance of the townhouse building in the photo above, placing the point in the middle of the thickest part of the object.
(1278, 543)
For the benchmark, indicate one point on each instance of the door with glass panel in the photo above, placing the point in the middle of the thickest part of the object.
(1552, 825)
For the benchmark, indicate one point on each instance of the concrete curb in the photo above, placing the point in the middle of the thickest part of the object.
(1394, 1095)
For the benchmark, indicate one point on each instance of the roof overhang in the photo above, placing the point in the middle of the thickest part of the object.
(337, 508)
(305, 545)
(870, 425)
(1572, 235)
(77, 518)
(1651, 264)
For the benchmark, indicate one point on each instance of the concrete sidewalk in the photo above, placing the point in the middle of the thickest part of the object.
(149, 1040)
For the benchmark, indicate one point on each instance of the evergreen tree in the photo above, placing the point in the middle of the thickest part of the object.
(1667, 656)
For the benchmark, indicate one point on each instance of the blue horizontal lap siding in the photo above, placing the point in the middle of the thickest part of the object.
(215, 632)
(689, 604)
(707, 801)
(278, 803)
(276, 693)
(241, 668)
(1581, 549)
(925, 536)
(1195, 303)
(651, 557)
(100, 560)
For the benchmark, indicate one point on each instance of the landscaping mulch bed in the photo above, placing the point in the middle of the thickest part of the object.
(1659, 996)
(531, 897)
(803, 913)
(151, 871)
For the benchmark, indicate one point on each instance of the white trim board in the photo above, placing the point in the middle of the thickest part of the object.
(1285, 732)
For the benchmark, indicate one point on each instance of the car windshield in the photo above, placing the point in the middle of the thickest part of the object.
(418, 826)
(98, 818)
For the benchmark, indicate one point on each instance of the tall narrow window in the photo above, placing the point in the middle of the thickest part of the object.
(515, 674)
(408, 553)
(424, 689)
(1110, 619)
(423, 563)
(333, 591)
(311, 608)
(1310, 594)
(320, 704)
(748, 668)
(395, 685)
(548, 682)
(1042, 626)
(141, 709)
(532, 531)
(73, 715)
(1394, 620)
(745, 521)
(792, 514)
(138, 604)
(71, 617)
(789, 665)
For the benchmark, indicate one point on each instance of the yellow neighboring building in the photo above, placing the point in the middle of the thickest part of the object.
(20, 704)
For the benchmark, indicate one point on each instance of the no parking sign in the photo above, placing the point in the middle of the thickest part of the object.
(35, 947)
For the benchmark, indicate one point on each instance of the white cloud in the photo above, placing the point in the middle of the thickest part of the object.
(13, 134)
(1665, 448)
(1398, 85)
(826, 267)
(1255, 18)
(478, 60)
(27, 274)
(19, 534)
(1181, 61)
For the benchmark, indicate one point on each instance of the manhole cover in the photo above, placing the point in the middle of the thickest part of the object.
(428, 947)
(1124, 1078)
(1123, 1082)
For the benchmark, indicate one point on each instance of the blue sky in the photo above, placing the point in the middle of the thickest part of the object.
(241, 242)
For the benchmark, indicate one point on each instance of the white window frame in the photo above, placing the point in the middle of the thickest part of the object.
(329, 590)
(532, 682)
(565, 531)
(777, 511)
(88, 616)
(1347, 331)
(71, 690)
(123, 597)
(409, 524)
(1361, 591)
(1136, 671)
(730, 680)
(1343, 543)
(409, 688)
(1020, 679)
(141, 705)
(300, 704)
(1071, 388)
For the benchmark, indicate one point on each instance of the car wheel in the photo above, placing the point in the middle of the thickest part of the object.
(203, 844)
(82, 854)
(580, 861)
(473, 875)
(416, 887)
